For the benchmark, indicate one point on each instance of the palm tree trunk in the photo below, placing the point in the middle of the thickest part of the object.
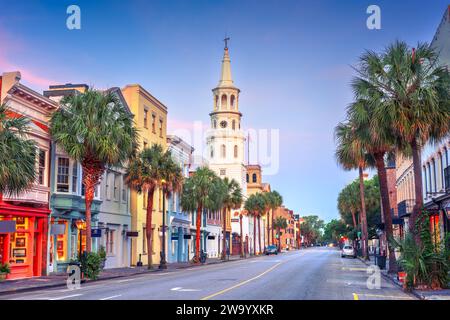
(418, 188)
(242, 236)
(149, 227)
(254, 234)
(259, 234)
(198, 223)
(379, 158)
(354, 218)
(363, 216)
(272, 230)
(268, 227)
(224, 240)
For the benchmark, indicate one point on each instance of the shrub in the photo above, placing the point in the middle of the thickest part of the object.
(426, 263)
(91, 264)
(4, 268)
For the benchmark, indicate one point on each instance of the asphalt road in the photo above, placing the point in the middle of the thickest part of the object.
(308, 274)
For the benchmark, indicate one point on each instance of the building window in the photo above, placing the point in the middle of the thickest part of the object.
(433, 163)
(235, 151)
(62, 184)
(232, 101)
(110, 241)
(247, 178)
(254, 178)
(116, 187)
(145, 145)
(223, 172)
(160, 128)
(144, 240)
(41, 163)
(145, 118)
(124, 191)
(212, 152)
(425, 180)
(107, 187)
(215, 124)
(74, 177)
(223, 151)
(153, 123)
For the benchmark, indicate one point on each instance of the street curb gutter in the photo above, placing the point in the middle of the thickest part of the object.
(385, 276)
(62, 284)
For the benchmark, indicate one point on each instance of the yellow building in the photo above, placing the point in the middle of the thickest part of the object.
(150, 116)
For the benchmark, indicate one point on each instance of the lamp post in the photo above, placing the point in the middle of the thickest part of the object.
(163, 263)
(80, 225)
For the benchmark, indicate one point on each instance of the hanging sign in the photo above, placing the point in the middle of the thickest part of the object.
(7, 226)
(96, 233)
(57, 229)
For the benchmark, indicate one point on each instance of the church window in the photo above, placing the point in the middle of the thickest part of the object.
(254, 178)
(232, 101)
(223, 102)
(223, 151)
(223, 124)
(212, 152)
(233, 124)
(235, 151)
(216, 102)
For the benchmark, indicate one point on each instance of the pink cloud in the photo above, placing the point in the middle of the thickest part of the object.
(11, 45)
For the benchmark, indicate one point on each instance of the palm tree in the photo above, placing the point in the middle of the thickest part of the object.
(351, 155)
(377, 141)
(94, 129)
(17, 155)
(415, 91)
(146, 173)
(279, 224)
(201, 192)
(254, 205)
(241, 214)
(275, 200)
(232, 200)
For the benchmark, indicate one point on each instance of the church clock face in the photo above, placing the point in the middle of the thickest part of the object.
(223, 124)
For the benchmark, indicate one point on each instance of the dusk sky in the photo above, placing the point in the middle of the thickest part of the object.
(291, 60)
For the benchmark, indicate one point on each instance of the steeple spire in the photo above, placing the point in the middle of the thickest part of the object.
(225, 77)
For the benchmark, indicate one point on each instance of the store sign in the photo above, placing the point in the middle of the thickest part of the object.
(211, 237)
(186, 236)
(7, 226)
(96, 233)
(174, 237)
(132, 234)
(57, 229)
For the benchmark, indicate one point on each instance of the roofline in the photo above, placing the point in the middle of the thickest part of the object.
(148, 94)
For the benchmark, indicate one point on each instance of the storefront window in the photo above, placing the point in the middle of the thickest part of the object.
(20, 242)
(60, 252)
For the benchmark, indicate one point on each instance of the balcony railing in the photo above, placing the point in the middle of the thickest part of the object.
(447, 179)
(405, 208)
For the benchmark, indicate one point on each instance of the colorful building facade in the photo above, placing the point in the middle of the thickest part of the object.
(150, 117)
(24, 245)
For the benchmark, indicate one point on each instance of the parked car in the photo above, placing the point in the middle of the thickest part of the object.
(348, 251)
(272, 249)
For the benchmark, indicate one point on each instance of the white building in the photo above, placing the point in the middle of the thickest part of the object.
(225, 139)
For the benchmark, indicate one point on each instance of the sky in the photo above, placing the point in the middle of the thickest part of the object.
(292, 61)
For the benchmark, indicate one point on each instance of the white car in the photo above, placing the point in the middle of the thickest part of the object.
(348, 251)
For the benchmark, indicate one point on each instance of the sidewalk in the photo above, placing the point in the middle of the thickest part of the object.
(38, 283)
(421, 294)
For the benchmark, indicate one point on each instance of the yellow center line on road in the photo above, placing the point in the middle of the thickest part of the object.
(241, 283)
(355, 296)
(385, 296)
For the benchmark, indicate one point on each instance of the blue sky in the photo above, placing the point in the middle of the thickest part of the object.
(291, 59)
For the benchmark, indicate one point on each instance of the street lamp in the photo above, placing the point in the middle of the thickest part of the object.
(81, 224)
(163, 263)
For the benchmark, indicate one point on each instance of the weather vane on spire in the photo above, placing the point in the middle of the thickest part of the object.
(226, 41)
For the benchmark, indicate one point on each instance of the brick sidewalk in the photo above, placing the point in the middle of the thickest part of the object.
(36, 283)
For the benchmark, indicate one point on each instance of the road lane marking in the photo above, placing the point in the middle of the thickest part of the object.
(66, 297)
(241, 283)
(355, 296)
(183, 289)
(354, 269)
(112, 297)
(125, 280)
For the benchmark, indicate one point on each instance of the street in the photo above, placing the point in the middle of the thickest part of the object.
(308, 274)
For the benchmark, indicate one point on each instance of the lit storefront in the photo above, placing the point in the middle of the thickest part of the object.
(24, 248)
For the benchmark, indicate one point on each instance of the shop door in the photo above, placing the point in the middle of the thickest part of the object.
(3, 248)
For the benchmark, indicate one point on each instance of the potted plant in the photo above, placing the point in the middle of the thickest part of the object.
(4, 271)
